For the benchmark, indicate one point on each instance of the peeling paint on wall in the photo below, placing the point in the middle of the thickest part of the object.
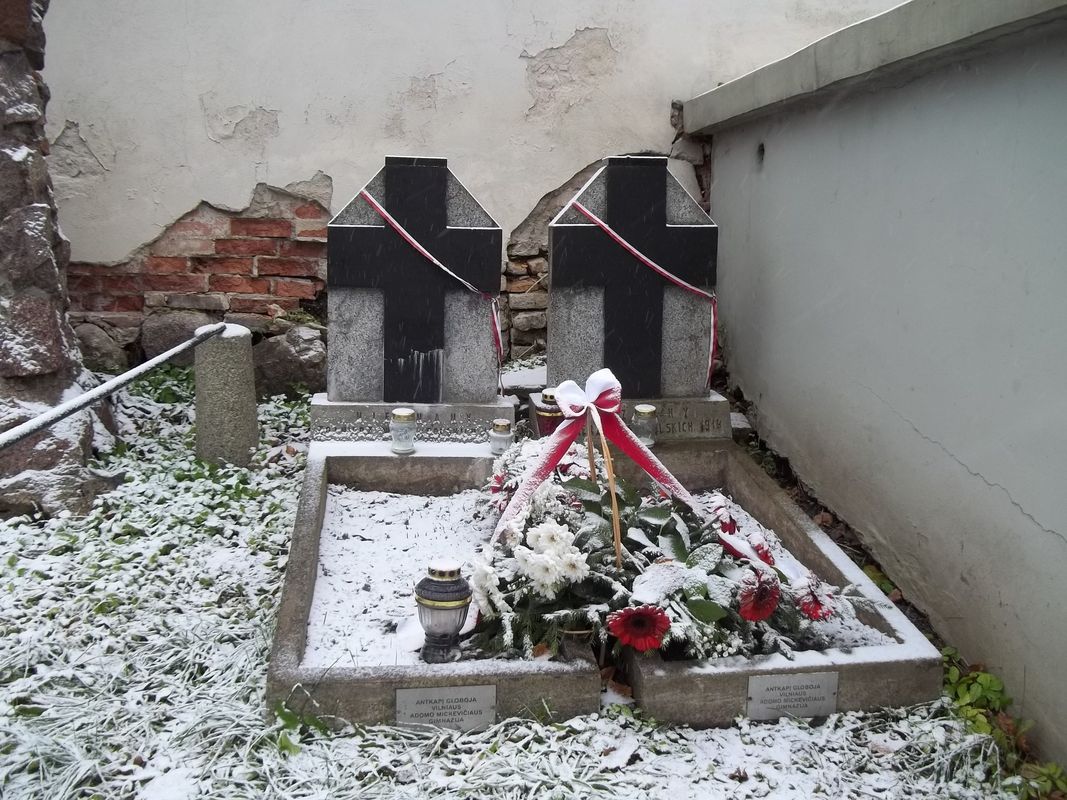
(559, 78)
(198, 108)
(254, 125)
(318, 187)
(75, 167)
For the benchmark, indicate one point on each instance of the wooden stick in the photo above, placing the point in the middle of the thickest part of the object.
(589, 450)
(615, 527)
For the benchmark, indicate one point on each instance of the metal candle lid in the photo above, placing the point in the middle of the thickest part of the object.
(548, 396)
(443, 588)
(501, 426)
(645, 410)
(444, 570)
(403, 415)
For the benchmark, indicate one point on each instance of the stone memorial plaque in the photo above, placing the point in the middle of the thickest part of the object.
(796, 694)
(696, 418)
(677, 419)
(463, 708)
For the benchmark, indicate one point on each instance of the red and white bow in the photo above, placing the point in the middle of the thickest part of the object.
(600, 402)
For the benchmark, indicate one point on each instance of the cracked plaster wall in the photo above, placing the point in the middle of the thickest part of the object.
(211, 98)
(892, 280)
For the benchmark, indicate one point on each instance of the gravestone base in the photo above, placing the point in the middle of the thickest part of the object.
(339, 420)
(680, 418)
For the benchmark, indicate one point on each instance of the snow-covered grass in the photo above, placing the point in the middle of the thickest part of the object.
(133, 649)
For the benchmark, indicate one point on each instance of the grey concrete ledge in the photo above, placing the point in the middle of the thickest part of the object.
(715, 691)
(367, 694)
(882, 50)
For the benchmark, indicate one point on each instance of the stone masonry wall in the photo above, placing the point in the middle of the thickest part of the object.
(249, 266)
(40, 365)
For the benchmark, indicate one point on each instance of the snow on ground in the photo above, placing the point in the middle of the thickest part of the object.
(373, 549)
(133, 650)
(375, 546)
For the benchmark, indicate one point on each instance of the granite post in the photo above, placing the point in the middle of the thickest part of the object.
(226, 426)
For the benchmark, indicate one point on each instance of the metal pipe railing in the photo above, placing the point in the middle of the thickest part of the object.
(42, 421)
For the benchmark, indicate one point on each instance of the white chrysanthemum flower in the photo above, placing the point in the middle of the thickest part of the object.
(543, 568)
(522, 558)
(546, 590)
(549, 537)
(573, 566)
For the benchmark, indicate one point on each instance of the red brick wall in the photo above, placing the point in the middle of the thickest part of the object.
(263, 260)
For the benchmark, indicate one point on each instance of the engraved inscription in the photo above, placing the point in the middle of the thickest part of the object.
(805, 694)
(463, 708)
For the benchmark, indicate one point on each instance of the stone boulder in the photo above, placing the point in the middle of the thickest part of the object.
(296, 359)
(99, 351)
(165, 329)
(46, 470)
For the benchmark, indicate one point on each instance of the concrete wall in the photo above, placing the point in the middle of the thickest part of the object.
(892, 278)
(159, 106)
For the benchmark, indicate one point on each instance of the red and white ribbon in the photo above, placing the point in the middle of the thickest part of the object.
(664, 273)
(411, 240)
(601, 401)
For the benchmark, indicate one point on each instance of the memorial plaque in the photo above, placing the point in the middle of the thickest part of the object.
(796, 694)
(463, 708)
(677, 419)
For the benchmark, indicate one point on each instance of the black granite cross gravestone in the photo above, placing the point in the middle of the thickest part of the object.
(377, 257)
(586, 256)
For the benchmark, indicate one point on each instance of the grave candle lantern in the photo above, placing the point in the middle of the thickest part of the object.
(402, 430)
(444, 598)
(644, 423)
(547, 413)
(500, 437)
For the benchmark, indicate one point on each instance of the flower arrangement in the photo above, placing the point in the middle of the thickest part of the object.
(681, 586)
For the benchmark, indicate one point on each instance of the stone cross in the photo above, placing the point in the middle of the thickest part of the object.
(402, 329)
(606, 308)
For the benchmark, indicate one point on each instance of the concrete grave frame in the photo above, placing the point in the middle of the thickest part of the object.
(702, 694)
(714, 692)
(367, 695)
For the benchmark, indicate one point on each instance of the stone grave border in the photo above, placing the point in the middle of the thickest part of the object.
(367, 695)
(716, 691)
(698, 693)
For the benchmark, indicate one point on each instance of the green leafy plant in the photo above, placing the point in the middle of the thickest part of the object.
(981, 700)
(1042, 781)
(166, 384)
(301, 317)
(295, 727)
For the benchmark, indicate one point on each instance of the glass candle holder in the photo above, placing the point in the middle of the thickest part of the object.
(500, 436)
(547, 413)
(402, 430)
(644, 423)
(444, 598)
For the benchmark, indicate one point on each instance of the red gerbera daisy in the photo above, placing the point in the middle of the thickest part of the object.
(762, 548)
(642, 627)
(727, 524)
(814, 599)
(759, 595)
